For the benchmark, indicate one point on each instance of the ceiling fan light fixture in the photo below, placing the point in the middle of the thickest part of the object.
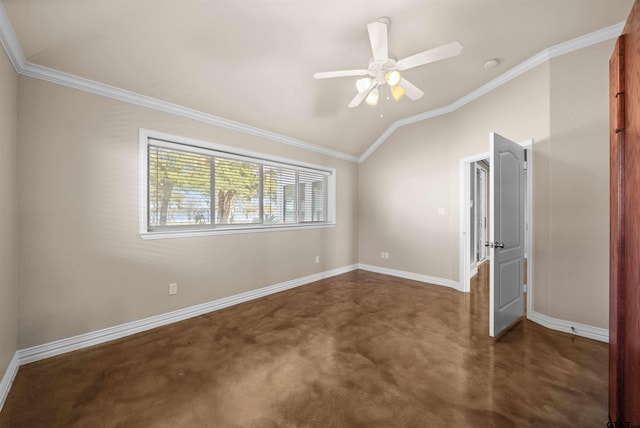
(393, 77)
(372, 98)
(397, 92)
(363, 84)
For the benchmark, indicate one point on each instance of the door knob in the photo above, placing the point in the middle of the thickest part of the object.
(499, 244)
(489, 244)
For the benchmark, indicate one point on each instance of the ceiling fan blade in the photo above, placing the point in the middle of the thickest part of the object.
(360, 96)
(432, 55)
(412, 91)
(341, 73)
(378, 38)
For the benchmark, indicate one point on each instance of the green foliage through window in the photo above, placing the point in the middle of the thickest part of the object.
(204, 189)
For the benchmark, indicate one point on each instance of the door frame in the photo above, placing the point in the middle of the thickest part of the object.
(465, 241)
(486, 203)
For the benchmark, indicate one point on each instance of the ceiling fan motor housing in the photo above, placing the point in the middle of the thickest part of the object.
(379, 71)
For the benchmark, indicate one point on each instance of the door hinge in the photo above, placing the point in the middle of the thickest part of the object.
(524, 287)
(525, 165)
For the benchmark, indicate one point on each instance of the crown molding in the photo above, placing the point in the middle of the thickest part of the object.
(72, 81)
(9, 41)
(22, 66)
(587, 40)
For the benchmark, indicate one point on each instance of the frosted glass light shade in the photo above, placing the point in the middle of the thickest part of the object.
(372, 98)
(393, 77)
(363, 84)
(397, 92)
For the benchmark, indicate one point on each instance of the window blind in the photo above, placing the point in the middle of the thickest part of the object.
(193, 188)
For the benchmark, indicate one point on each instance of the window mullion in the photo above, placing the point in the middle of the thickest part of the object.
(261, 193)
(212, 190)
(296, 196)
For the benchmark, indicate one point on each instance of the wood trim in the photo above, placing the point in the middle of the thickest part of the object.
(616, 251)
(624, 316)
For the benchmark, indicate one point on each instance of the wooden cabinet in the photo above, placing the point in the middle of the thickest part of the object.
(624, 323)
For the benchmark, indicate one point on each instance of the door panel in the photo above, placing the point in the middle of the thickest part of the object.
(509, 272)
(506, 234)
(616, 235)
(624, 321)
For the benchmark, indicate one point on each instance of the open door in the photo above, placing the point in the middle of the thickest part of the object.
(506, 235)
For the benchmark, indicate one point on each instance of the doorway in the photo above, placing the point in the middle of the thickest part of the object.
(471, 209)
(479, 214)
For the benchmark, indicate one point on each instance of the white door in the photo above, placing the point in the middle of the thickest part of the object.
(506, 235)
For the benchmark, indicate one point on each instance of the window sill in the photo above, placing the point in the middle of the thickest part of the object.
(228, 231)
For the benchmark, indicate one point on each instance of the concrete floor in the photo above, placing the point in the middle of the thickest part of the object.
(356, 350)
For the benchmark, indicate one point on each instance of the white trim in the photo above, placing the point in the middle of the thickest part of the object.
(148, 137)
(587, 40)
(7, 379)
(529, 230)
(590, 332)
(381, 139)
(171, 139)
(85, 340)
(108, 91)
(10, 43)
(464, 239)
(146, 236)
(16, 56)
(473, 269)
(413, 276)
(578, 329)
(51, 349)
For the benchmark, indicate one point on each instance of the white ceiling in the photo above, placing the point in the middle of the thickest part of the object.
(253, 61)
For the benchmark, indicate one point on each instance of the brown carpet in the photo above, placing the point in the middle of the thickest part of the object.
(356, 350)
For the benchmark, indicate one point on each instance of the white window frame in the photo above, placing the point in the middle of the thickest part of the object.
(172, 141)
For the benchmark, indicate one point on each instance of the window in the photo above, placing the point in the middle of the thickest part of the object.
(194, 188)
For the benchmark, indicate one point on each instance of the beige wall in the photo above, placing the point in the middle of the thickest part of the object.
(416, 171)
(572, 219)
(563, 105)
(82, 266)
(8, 219)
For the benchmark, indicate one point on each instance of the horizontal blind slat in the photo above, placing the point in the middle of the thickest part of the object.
(182, 183)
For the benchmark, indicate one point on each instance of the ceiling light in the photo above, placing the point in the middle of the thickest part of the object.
(363, 84)
(372, 98)
(393, 77)
(397, 92)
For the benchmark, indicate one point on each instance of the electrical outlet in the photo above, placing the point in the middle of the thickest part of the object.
(317, 259)
(382, 254)
(386, 255)
(173, 288)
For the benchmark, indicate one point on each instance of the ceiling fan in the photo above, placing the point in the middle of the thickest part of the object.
(384, 68)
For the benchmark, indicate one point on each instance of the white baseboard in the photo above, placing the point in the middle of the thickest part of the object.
(590, 332)
(473, 271)
(85, 340)
(36, 353)
(414, 276)
(7, 379)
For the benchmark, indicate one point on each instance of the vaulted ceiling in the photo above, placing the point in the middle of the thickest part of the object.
(252, 61)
